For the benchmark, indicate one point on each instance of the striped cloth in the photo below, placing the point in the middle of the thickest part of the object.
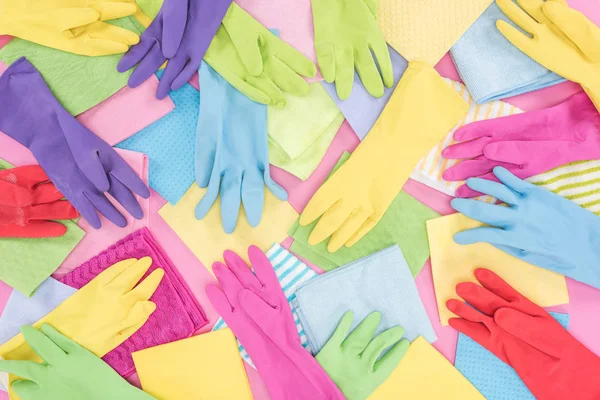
(578, 181)
(292, 273)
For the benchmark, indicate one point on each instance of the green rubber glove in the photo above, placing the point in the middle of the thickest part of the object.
(353, 362)
(346, 32)
(70, 372)
(256, 62)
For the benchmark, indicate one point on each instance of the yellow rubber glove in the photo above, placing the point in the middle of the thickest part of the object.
(101, 315)
(74, 26)
(421, 111)
(563, 40)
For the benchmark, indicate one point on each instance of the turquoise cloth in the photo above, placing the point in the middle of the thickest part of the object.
(491, 376)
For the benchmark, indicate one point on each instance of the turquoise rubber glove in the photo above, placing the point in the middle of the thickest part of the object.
(538, 226)
(346, 32)
(70, 372)
(231, 152)
(354, 362)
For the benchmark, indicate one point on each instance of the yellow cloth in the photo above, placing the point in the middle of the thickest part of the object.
(100, 316)
(206, 238)
(205, 367)
(74, 26)
(424, 30)
(453, 263)
(564, 40)
(356, 196)
(425, 374)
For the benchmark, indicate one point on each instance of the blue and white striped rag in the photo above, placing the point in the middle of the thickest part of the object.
(292, 273)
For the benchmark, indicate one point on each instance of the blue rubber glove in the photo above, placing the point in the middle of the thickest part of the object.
(231, 151)
(538, 226)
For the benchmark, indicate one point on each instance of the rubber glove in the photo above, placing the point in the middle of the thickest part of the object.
(256, 62)
(551, 362)
(526, 144)
(69, 371)
(28, 203)
(357, 195)
(563, 40)
(231, 152)
(354, 361)
(254, 307)
(181, 32)
(538, 226)
(346, 32)
(79, 163)
(74, 26)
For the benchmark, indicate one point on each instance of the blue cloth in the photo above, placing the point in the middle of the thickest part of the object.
(491, 376)
(291, 273)
(169, 145)
(491, 67)
(379, 282)
(361, 109)
(21, 310)
(232, 157)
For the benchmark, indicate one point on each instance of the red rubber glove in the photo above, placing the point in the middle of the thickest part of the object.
(551, 362)
(28, 200)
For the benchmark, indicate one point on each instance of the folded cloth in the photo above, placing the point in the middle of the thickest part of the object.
(452, 263)
(207, 367)
(178, 314)
(206, 238)
(425, 371)
(495, 379)
(402, 224)
(291, 273)
(78, 82)
(96, 240)
(170, 144)
(361, 109)
(424, 30)
(380, 282)
(492, 67)
(26, 263)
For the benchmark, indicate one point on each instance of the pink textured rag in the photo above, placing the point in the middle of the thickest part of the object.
(178, 315)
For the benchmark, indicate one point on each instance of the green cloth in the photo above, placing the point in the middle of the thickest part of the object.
(403, 224)
(78, 82)
(150, 7)
(25, 263)
(300, 133)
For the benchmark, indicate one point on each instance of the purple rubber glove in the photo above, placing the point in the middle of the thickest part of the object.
(526, 144)
(181, 32)
(254, 307)
(80, 164)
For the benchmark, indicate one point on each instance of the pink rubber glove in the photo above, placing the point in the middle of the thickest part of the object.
(526, 144)
(254, 307)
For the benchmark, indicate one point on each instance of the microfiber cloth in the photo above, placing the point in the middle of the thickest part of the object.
(361, 109)
(78, 82)
(491, 376)
(380, 282)
(403, 223)
(292, 273)
(170, 144)
(178, 314)
(424, 30)
(492, 67)
(26, 263)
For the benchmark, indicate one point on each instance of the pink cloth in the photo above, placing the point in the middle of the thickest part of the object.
(178, 315)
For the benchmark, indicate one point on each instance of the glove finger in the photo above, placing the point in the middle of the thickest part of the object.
(146, 288)
(366, 227)
(248, 49)
(252, 92)
(265, 85)
(27, 176)
(256, 308)
(367, 71)
(92, 168)
(382, 54)
(128, 277)
(326, 60)
(325, 197)
(497, 285)
(466, 192)
(534, 9)
(136, 53)
(278, 191)
(46, 193)
(220, 302)
(475, 330)
(344, 72)
(209, 198)
(147, 66)
(230, 200)
(341, 332)
(174, 67)
(206, 147)
(136, 318)
(469, 169)
(173, 28)
(331, 221)
(350, 226)
(123, 172)
(69, 18)
(515, 36)
(480, 298)
(241, 270)
(230, 284)
(286, 79)
(519, 17)
(489, 214)
(106, 208)
(58, 210)
(113, 272)
(33, 230)
(494, 236)
(476, 130)
(14, 195)
(113, 33)
(253, 196)
(382, 342)
(519, 154)
(186, 73)
(66, 344)
(263, 268)
(113, 9)
(466, 312)
(494, 189)
(358, 340)
(388, 363)
(42, 345)
(512, 181)
(27, 389)
(124, 196)
(465, 150)
(26, 369)
(293, 58)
